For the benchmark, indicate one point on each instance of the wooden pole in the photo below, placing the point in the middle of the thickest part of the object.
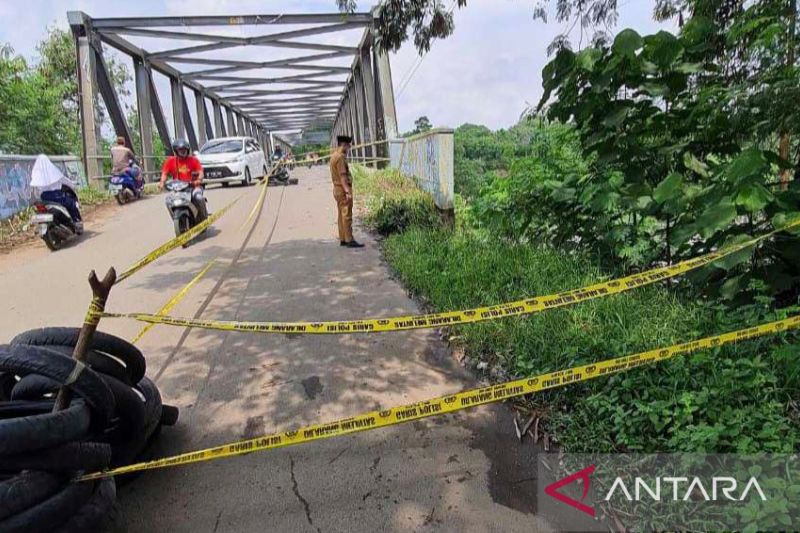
(100, 291)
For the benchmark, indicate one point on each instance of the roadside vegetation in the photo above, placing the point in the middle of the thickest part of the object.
(643, 152)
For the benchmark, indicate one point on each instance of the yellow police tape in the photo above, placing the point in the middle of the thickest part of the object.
(175, 299)
(174, 243)
(450, 318)
(454, 402)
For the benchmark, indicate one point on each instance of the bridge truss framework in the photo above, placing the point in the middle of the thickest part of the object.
(362, 105)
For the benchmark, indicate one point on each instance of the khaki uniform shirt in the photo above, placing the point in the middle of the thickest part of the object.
(339, 168)
(120, 155)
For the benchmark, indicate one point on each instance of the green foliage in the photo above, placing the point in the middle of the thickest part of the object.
(40, 102)
(672, 171)
(31, 107)
(733, 399)
(421, 125)
(393, 202)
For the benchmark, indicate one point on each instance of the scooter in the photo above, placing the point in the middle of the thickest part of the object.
(127, 186)
(185, 214)
(279, 174)
(55, 224)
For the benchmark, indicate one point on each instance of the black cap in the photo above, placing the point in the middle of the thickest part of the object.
(341, 139)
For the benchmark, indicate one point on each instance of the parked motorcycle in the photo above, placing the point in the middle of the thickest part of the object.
(184, 212)
(127, 186)
(55, 224)
(279, 174)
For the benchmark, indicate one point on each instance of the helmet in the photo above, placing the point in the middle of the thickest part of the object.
(180, 144)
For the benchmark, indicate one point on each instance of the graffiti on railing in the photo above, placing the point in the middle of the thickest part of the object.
(428, 158)
(15, 176)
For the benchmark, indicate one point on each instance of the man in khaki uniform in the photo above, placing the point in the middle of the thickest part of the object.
(343, 192)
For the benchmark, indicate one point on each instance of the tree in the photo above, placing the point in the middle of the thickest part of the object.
(680, 132)
(422, 124)
(57, 65)
(429, 19)
(31, 107)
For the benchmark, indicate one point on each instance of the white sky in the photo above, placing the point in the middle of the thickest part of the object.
(485, 73)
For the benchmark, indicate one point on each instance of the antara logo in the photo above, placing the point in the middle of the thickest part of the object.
(668, 488)
(583, 476)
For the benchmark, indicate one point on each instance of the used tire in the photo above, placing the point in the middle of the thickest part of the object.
(119, 348)
(69, 457)
(25, 490)
(52, 512)
(35, 432)
(98, 511)
(24, 360)
(34, 387)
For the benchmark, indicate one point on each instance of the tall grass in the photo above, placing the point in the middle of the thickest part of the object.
(728, 400)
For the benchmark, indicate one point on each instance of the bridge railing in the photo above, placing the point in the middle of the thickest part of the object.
(428, 158)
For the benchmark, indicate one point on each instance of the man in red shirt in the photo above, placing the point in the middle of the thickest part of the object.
(185, 167)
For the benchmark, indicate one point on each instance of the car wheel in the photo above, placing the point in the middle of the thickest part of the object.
(225, 183)
(248, 179)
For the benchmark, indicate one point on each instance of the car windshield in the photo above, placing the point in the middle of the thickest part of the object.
(222, 147)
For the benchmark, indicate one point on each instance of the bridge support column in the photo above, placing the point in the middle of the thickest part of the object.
(177, 107)
(386, 91)
(187, 122)
(200, 107)
(365, 80)
(231, 122)
(144, 110)
(87, 85)
(219, 125)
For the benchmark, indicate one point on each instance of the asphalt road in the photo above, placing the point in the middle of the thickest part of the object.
(462, 472)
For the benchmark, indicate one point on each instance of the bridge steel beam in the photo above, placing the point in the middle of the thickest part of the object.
(144, 110)
(177, 107)
(356, 99)
(110, 98)
(219, 125)
(187, 123)
(231, 122)
(87, 86)
(201, 113)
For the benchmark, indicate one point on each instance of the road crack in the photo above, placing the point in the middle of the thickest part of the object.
(300, 496)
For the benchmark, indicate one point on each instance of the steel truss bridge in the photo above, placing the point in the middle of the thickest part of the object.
(345, 86)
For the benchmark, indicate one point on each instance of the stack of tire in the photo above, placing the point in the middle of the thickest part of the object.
(115, 413)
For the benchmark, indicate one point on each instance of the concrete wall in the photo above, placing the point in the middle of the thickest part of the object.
(428, 158)
(15, 178)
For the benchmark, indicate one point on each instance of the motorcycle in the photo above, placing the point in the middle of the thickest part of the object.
(185, 214)
(279, 174)
(55, 224)
(127, 186)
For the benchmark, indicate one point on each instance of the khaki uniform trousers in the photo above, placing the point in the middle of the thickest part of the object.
(345, 218)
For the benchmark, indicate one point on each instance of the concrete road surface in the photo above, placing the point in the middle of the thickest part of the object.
(462, 472)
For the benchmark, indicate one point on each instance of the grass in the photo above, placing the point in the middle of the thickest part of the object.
(731, 399)
(390, 202)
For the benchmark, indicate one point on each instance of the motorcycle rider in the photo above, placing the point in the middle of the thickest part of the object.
(54, 186)
(121, 156)
(184, 166)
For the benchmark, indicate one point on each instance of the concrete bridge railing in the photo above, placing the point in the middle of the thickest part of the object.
(428, 158)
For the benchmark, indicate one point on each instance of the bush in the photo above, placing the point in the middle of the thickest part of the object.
(734, 399)
(391, 202)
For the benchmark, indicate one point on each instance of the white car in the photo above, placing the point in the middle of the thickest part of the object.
(232, 159)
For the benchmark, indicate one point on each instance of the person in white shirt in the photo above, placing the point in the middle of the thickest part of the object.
(54, 186)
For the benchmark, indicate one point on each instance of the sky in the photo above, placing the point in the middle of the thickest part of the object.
(487, 72)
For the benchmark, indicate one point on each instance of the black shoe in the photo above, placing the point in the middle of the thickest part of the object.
(342, 243)
(354, 244)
